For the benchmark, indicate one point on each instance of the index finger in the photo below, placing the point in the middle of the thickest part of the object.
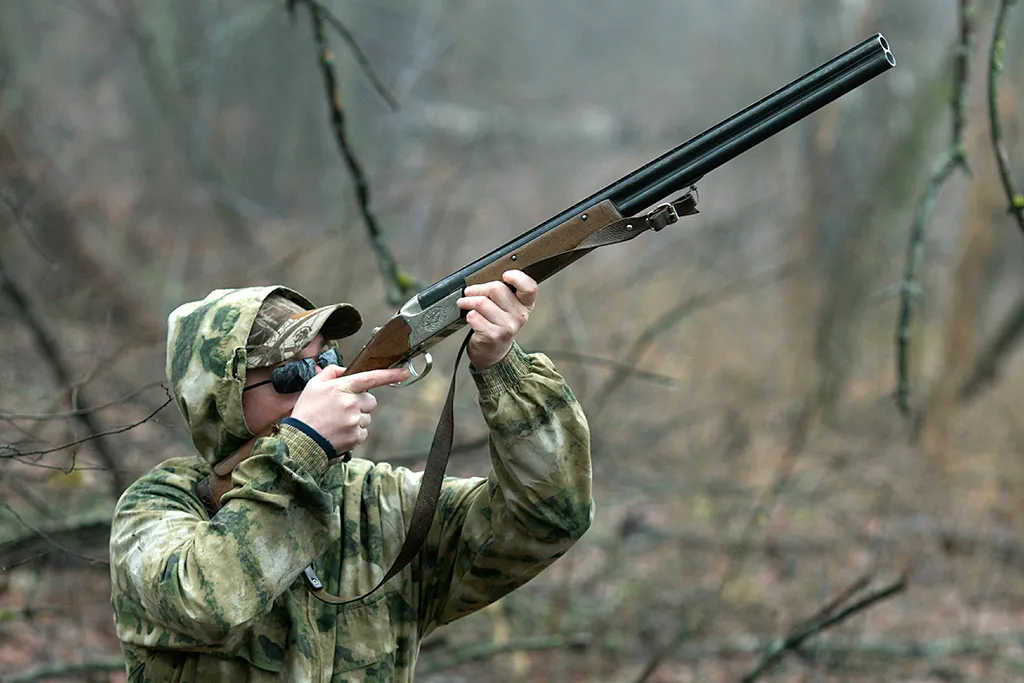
(371, 379)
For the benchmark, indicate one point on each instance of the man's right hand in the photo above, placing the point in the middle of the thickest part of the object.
(339, 407)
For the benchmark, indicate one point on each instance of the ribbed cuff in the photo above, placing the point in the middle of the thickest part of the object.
(306, 446)
(503, 375)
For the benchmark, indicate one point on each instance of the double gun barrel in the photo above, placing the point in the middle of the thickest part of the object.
(683, 166)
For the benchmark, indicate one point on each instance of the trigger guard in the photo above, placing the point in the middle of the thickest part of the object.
(415, 376)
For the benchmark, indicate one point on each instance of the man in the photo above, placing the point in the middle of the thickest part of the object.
(219, 597)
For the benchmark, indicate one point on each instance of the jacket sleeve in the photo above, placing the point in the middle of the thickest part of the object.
(492, 535)
(182, 580)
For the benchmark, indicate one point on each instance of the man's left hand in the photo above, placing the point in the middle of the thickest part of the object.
(496, 314)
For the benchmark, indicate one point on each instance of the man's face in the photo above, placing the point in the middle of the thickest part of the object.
(263, 406)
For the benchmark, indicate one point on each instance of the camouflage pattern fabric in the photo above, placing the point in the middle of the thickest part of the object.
(221, 599)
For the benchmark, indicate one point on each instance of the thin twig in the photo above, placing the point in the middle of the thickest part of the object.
(799, 434)
(399, 285)
(32, 417)
(987, 364)
(16, 211)
(12, 453)
(353, 46)
(999, 648)
(480, 651)
(629, 370)
(46, 537)
(47, 345)
(986, 367)
(858, 584)
(955, 157)
(995, 70)
(675, 315)
(120, 430)
(824, 619)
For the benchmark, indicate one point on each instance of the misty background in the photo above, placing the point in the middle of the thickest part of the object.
(739, 368)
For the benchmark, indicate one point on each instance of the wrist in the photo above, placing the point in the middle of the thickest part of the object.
(503, 375)
(492, 358)
(306, 446)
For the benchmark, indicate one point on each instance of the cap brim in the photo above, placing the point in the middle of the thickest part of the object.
(334, 322)
(343, 320)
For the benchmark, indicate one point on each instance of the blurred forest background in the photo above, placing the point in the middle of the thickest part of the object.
(765, 508)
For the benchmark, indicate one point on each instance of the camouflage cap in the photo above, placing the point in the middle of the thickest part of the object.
(283, 328)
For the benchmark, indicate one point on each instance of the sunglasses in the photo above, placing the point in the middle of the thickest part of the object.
(291, 377)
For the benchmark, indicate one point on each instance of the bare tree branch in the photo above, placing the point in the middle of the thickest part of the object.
(476, 652)
(999, 648)
(995, 70)
(986, 367)
(353, 46)
(33, 417)
(96, 435)
(676, 314)
(799, 433)
(629, 370)
(1006, 338)
(47, 344)
(399, 285)
(7, 549)
(827, 617)
(953, 158)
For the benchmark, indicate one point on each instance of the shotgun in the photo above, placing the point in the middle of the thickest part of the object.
(613, 214)
(617, 213)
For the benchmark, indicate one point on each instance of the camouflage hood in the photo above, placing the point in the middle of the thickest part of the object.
(207, 359)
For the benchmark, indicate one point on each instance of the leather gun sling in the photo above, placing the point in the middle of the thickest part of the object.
(210, 489)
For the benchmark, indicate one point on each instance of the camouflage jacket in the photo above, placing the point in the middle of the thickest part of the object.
(200, 599)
